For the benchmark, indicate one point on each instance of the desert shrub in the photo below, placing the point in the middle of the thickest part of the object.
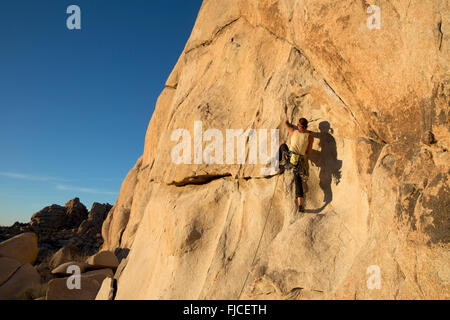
(33, 292)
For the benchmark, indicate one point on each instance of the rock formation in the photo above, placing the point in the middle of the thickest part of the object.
(23, 278)
(57, 289)
(56, 217)
(61, 237)
(57, 227)
(103, 259)
(23, 248)
(91, 278)
(93, 224)
(378, 191)
(16, 271)
(65, 254)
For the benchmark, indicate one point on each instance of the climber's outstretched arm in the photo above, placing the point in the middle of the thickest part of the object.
(289, 127)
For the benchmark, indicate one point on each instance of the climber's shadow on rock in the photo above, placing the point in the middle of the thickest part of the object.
(327, 162)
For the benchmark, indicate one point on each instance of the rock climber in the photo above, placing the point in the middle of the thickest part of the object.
(295, 154)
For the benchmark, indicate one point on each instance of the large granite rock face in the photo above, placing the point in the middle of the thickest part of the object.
(378, 191)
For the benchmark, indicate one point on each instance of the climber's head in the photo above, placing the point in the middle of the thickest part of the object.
(302, 124)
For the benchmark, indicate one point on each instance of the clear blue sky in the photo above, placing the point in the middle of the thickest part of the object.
(75, 105)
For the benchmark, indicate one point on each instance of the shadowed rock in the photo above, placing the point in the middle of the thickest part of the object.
(58, 289)
(7, 268)
(25, 277)
(23, 248)
(56, 217)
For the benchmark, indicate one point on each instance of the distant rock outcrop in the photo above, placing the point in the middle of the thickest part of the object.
(56, 217)
(76, 213)
(93, 224)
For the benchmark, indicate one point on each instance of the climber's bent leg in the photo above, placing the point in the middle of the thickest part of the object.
(283, 152)
(299, 189)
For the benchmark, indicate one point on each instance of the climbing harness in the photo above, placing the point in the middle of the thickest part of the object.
(293, 158)
(297, 162)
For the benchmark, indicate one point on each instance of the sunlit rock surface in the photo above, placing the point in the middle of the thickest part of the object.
(378, 192)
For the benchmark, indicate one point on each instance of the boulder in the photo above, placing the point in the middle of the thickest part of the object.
(45, 271)
(63, 255)
(62, 269)
(23, 248)
(25, 277)
(99, 274)
(106, 291)
(58, 289)
(7, 268)
(103, 259)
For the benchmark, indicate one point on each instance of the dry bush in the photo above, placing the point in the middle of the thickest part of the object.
(34, 292)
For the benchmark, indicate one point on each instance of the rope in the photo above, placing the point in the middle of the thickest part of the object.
(260, 239)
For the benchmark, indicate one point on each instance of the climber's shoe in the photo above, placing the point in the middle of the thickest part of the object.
(301, 209)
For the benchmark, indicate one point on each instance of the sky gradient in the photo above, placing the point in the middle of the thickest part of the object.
(75, 104)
